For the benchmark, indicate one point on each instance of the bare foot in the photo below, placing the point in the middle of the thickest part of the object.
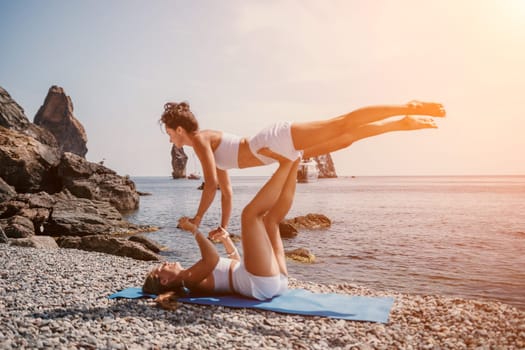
(411, 122)
(426, 108)
(271, 154)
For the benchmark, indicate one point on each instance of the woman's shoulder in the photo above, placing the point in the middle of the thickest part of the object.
(211, 133)
(205, 136)
(211, 137)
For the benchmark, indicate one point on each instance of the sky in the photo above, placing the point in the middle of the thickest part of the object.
(244, 64)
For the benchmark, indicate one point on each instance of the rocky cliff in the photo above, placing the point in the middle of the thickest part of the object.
(12, 116)
(56, 115)
(45, 191)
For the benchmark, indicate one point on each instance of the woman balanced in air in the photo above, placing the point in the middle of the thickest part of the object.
(262, 273)
(219, 151)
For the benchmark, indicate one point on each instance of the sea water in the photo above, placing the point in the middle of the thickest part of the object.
(459, 236)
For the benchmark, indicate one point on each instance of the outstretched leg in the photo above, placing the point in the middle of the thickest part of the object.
(259, 257)
(311, 134)
(369, 130)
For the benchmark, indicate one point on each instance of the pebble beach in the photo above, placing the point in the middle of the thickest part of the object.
(58, 298)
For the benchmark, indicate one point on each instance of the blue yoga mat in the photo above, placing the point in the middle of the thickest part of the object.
(295, 301)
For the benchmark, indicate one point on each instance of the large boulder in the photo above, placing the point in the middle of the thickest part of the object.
(96, 182)
(309, 221)
(27, 164)
(62, 214)
(300, 254)
(146, 242)
(56, 115)
(109, 245)
(34, 206)
(17, 227)
(178, 162)
(73, 216)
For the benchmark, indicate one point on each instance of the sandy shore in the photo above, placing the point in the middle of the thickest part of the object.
(58, 299)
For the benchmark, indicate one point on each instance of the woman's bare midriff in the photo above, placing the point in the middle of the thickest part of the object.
(245, 158)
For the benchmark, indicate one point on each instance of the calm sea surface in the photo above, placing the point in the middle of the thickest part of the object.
(460, 236)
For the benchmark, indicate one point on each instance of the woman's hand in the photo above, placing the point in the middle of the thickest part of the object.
(218, 235)
(196, 220)
(186, 224)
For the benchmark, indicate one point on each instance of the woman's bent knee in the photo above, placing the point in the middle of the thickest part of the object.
(249, 216)
(270, 221)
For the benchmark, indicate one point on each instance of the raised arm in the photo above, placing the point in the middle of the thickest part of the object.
(209, 256)
(223, 236)
(205, 154)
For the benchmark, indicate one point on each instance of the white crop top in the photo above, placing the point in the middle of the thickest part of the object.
(226, 154)
(221, 275)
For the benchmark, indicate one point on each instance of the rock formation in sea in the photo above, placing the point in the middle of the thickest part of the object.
(47, 192)
(178, 162)
(289, 228)
(56, 115)
(303, 255)
(326, 166)
(310, 221)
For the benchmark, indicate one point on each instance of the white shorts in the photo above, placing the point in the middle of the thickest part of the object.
(258, 287)
(278, 138)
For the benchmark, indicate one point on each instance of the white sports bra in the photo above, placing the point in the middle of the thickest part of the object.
(226, 154)
(221, 275)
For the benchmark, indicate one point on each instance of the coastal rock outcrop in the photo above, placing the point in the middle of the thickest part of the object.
(146, 242)
(12, 116)
(109, 245)
(27, 164)
(179, 159)
(309, 221)
(96, 182)
(61, 214)
(326, 166)
(18, 227)
(30, 166)
(289, 228)
(46, 191)
(56, 115)
(73, 216)
(301, 255)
